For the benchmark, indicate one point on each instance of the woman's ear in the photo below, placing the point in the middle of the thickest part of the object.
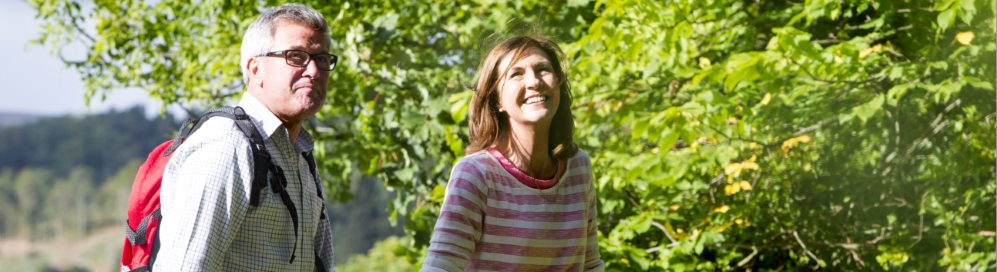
(498, 103)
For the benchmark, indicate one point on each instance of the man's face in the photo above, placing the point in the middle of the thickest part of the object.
(293, 94)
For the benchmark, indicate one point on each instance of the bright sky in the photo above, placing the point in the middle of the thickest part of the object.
(35, 81)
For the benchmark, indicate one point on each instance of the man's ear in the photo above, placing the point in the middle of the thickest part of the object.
(253, 68)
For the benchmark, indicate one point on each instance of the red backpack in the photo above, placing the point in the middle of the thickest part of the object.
(144, 217)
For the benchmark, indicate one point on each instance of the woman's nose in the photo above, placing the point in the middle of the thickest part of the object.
(531, 80)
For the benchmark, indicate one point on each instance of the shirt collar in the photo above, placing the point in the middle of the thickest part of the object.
(267, 123)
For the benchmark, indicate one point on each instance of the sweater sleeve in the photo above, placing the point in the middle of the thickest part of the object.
(458, 228)
(593, 262)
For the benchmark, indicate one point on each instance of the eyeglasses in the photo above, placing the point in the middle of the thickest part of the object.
(298, 58)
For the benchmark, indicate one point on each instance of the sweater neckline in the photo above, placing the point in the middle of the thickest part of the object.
(525, 179)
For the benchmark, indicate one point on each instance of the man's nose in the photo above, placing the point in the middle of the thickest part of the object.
(311, 68)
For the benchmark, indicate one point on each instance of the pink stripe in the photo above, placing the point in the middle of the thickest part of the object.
(503, 181)
(528, 251)
(467, 186)
(448, 253)
(578, 162)
(467, 183)
(537, 199)
(469, 168)
(463, 202)
(535, 216)
(532, 182)
(547, 234)
(465, 173)
(452, 232)
(449, 216)
(503, 266)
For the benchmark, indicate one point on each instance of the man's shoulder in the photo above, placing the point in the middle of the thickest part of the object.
(217, 129)
(216, 135)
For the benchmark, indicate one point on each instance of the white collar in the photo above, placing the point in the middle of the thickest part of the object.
(264, 120)
(267, 123)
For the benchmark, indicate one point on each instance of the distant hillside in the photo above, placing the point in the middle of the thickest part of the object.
(65, 180)
(102, 142)
(8, 119)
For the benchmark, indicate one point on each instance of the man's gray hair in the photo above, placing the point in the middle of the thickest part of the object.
(259, 36)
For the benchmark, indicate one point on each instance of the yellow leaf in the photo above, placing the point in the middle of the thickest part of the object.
(704, 62)
(731, 189)
(750, 165)
(674, 207)
(766, 99)
(792, 142)
(722, 209)
(965, 37)
(738, 221)
(870, 50)
(734, 169)
(745, 185)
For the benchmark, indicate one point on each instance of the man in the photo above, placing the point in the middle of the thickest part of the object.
(208, 222)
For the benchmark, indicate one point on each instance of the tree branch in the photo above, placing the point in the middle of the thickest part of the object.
(805, 250)
(663, 229)
(936, 126)
(754, 251)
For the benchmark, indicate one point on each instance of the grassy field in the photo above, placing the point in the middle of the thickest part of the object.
(100, 251)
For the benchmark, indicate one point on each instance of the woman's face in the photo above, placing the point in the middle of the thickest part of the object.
(528, 93)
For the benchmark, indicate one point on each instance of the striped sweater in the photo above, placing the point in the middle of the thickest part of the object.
(495, 218)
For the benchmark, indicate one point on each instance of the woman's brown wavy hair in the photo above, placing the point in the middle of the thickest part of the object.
(486, 123)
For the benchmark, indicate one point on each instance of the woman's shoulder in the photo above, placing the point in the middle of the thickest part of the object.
(475, 162)
(581, 158)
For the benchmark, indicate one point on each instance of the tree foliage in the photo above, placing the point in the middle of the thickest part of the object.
(724, 134)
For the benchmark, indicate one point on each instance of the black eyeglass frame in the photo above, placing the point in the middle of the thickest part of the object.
(333, 59)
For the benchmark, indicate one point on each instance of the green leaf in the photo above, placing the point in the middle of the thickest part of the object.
(897, 92)
(439, 193)
(946, 18)
(867, 110)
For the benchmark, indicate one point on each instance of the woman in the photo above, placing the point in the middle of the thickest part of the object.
(522, 199)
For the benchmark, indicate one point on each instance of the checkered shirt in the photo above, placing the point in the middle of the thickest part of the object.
(208, 224)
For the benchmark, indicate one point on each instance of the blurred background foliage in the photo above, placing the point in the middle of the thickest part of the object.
(725, 135)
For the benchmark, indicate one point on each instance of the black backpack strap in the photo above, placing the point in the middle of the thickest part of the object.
(278, 183)
(318, 183)
(319, 266)
(190, 125)
(265, 171)
(311, 167)
(261, 158)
